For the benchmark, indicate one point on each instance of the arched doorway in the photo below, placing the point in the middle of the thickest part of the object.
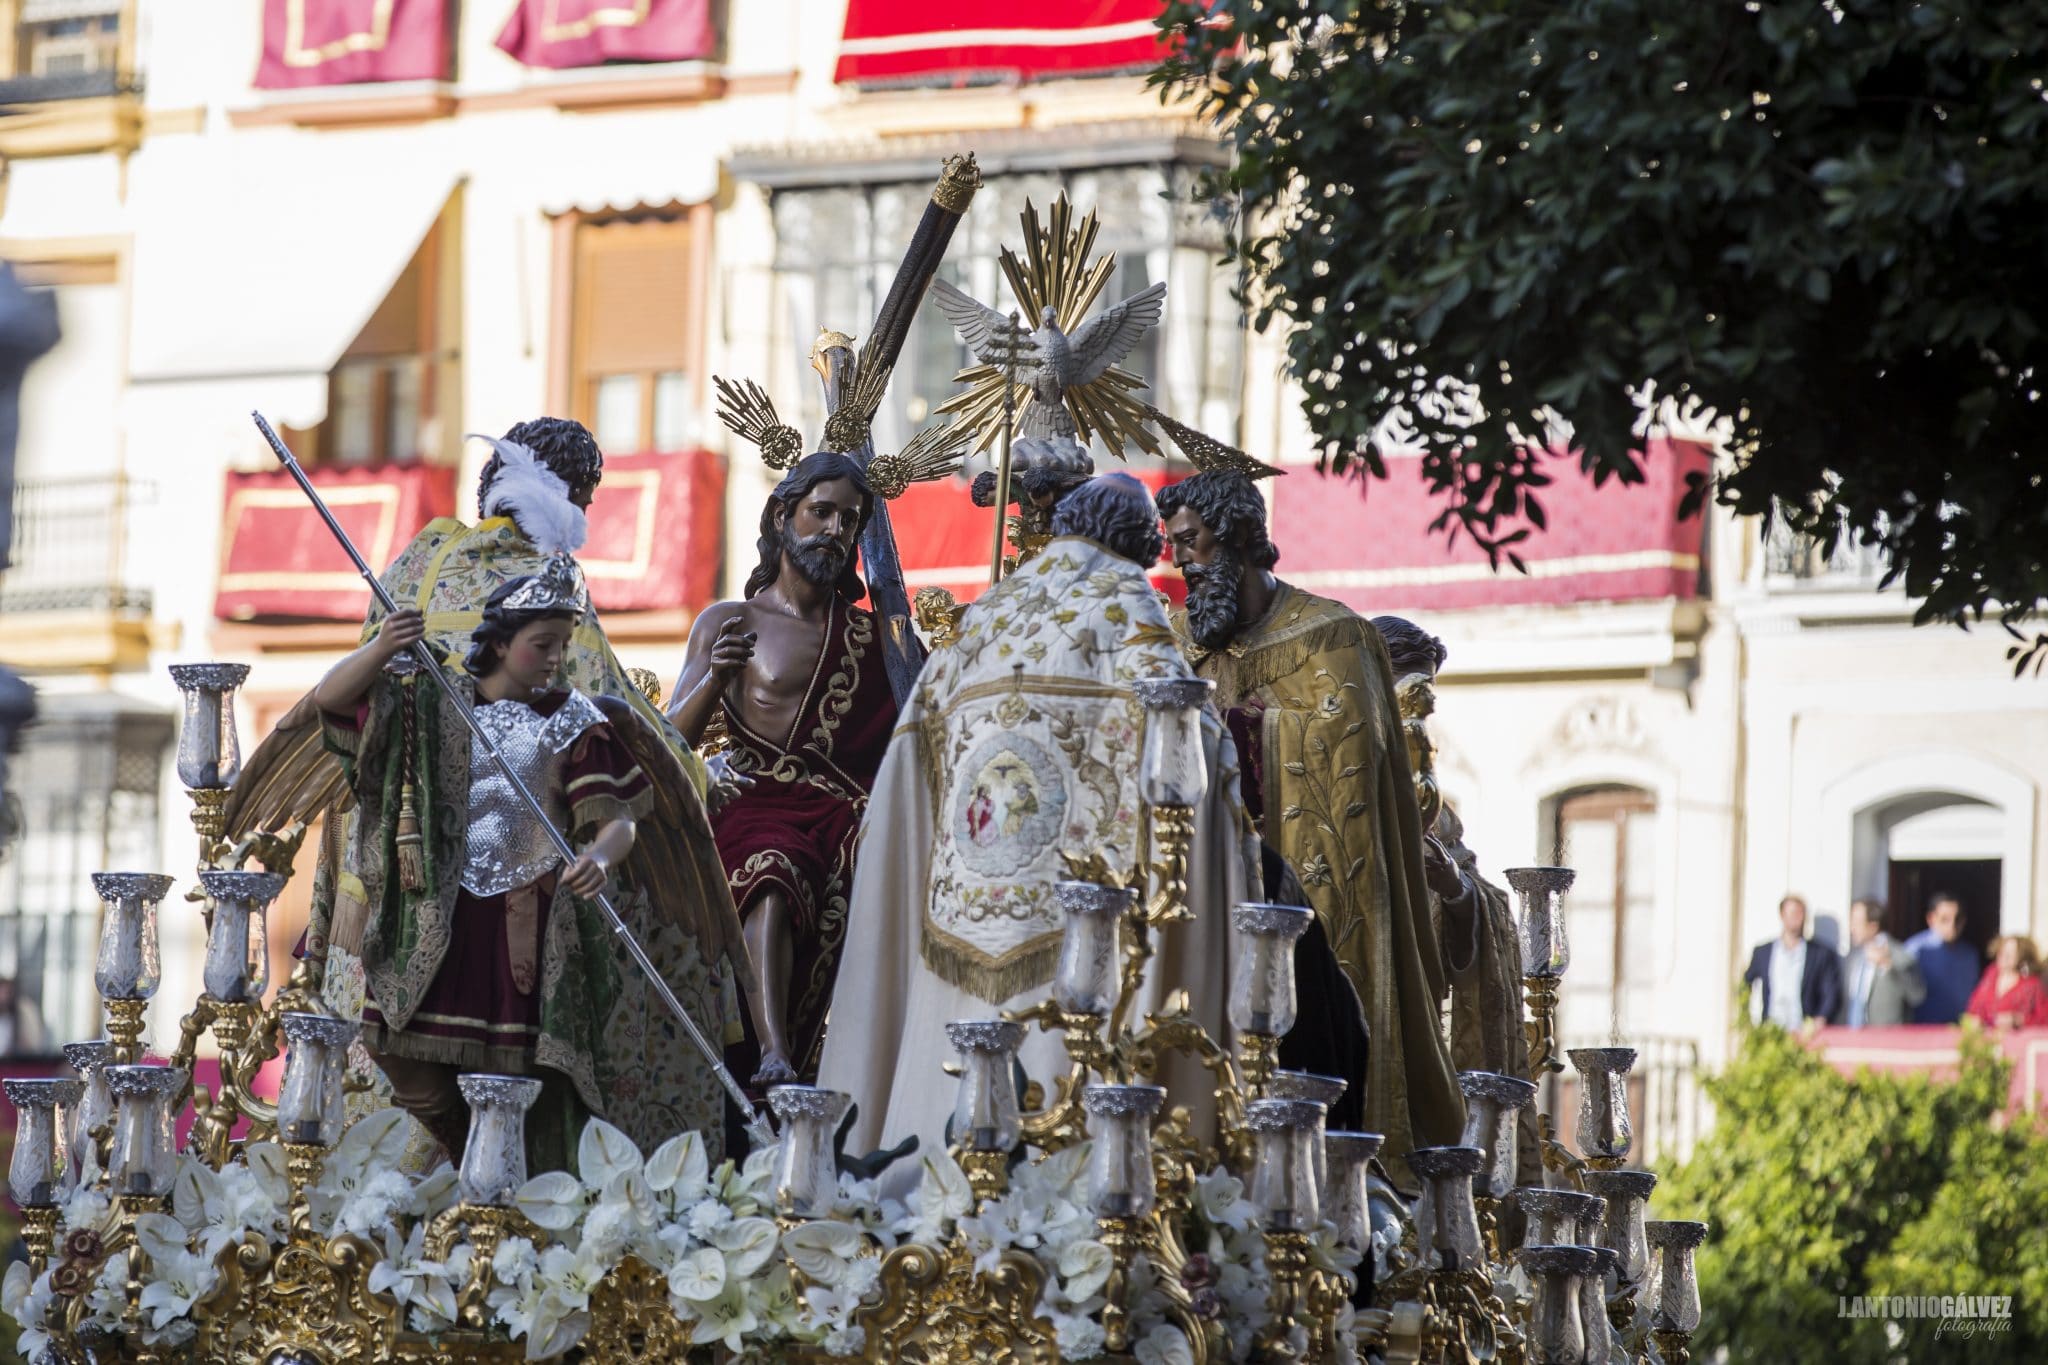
(1915, 847)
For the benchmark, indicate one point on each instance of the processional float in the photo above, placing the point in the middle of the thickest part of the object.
(1093, 1221)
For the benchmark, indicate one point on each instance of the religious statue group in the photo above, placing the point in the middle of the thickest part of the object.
(827, 864)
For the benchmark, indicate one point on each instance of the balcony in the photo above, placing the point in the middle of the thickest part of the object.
(67, 78)
(1798, 563)
(68, 601)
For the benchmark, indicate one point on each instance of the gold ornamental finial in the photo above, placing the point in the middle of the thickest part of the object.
(957, 183)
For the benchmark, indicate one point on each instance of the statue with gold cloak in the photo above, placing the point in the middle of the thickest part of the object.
(1308, 691)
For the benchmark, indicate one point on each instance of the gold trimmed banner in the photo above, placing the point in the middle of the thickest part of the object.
(277, 560)
(349, 42)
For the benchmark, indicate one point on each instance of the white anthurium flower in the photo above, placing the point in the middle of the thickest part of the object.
(755, 1177)
(604, 1154)
(748, 1243)
(161, 1236)
(264, 1163)
(629, 1189)
(553, 1201)
(177, 1280)
(1164, 1345)
(1084, 1269)
(680, 1170)
(727, 1318)
(698, 1277)
(435, 1193)
(822, 1250)
(942, 1197)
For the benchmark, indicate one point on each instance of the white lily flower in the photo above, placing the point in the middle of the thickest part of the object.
(26, 1298)
(570, 1276)
(727, 1318)
(1220, 1197)
(177, 1280)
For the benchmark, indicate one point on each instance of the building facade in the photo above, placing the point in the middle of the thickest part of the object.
(386, 225)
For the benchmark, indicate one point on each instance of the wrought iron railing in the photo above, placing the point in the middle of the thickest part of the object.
(1792, 560)
(70, 546)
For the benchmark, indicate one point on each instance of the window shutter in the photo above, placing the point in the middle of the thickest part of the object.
(632, 297)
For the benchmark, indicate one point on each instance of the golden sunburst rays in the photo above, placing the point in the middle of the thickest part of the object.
(847, 428)
(749, 412)
(1056, 271)
(933, 453)
(1205, 452)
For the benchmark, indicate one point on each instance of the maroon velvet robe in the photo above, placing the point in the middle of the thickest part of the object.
(795, 829)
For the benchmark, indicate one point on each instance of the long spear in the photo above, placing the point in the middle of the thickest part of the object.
(758, 1126)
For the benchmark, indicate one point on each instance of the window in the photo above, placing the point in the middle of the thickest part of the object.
(838, 250)
(633, 375)
(87, 779)
(382, 394)
(1608, 835)
(67, 37)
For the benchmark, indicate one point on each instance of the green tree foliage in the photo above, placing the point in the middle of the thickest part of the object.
(1818, 1187)
(1828, 221)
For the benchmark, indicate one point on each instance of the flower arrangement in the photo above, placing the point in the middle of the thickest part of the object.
(734, 1276)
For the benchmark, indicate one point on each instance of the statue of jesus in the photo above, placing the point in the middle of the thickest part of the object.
(794, 669)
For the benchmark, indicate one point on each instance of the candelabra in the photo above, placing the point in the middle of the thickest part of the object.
(1432, 1281)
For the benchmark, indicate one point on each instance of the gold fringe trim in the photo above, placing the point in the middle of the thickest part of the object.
(421, 1047)
(1029, 966)
(1266, 663)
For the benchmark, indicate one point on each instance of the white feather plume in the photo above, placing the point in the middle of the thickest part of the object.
(535, 497)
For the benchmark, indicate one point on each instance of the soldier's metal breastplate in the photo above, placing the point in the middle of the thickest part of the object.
(508, 847)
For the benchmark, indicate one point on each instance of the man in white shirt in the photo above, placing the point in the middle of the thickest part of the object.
(1881, 980)
(1799, 982)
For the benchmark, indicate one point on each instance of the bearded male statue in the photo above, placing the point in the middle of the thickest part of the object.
(1308, 692)
(794, 670)
(1021, 744)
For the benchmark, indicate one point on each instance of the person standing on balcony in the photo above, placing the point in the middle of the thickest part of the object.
(2010, 994)
(1881, 981)
(1949, 962)
(1800, 982)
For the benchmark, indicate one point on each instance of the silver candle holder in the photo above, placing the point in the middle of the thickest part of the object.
(494, 1157)
(1556, 1332)
(37, 1173)
(1288, 1134)
(1323, 1090)
(144, 1162)
(986, 1115)
(1621, 1224)
(1546, 950)
(1674, 1305)
(1605, 1131)
(806, 1164)
(1493, 1104)
(1171, 768)
(128, 966)
(237, 966)
(1347, 1197)
(95, 1107)
(1089, 972)
(1262, 985)
(1447, 1234)
(209, 750)
(1121, 1182)
(309, 1102)
(1556, 1217)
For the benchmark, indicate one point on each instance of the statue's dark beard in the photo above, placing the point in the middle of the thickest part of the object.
(821, 559)
(1212, 599)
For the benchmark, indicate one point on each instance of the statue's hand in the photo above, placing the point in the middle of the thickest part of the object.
(732, 650)
(1438, 869)
(727, 782)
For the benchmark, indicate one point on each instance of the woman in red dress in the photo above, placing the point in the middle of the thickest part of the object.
(2011, 995)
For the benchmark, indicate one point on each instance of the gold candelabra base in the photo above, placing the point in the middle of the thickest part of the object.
(1258, 1056)
(125, 1023)
(1287, 1262)
(1125, 1238)
(39, 1234)
(1539, 993)
(209, 811)
(1673, 1348)
(988, 1173)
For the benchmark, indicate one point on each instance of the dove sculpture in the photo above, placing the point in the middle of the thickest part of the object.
(1048, 361)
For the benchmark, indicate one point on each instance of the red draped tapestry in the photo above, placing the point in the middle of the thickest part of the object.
(277, 558)
(345, 42)
(656, 532)
(569, 33)
(944, 539)
(1371, 548)
(928, 41)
